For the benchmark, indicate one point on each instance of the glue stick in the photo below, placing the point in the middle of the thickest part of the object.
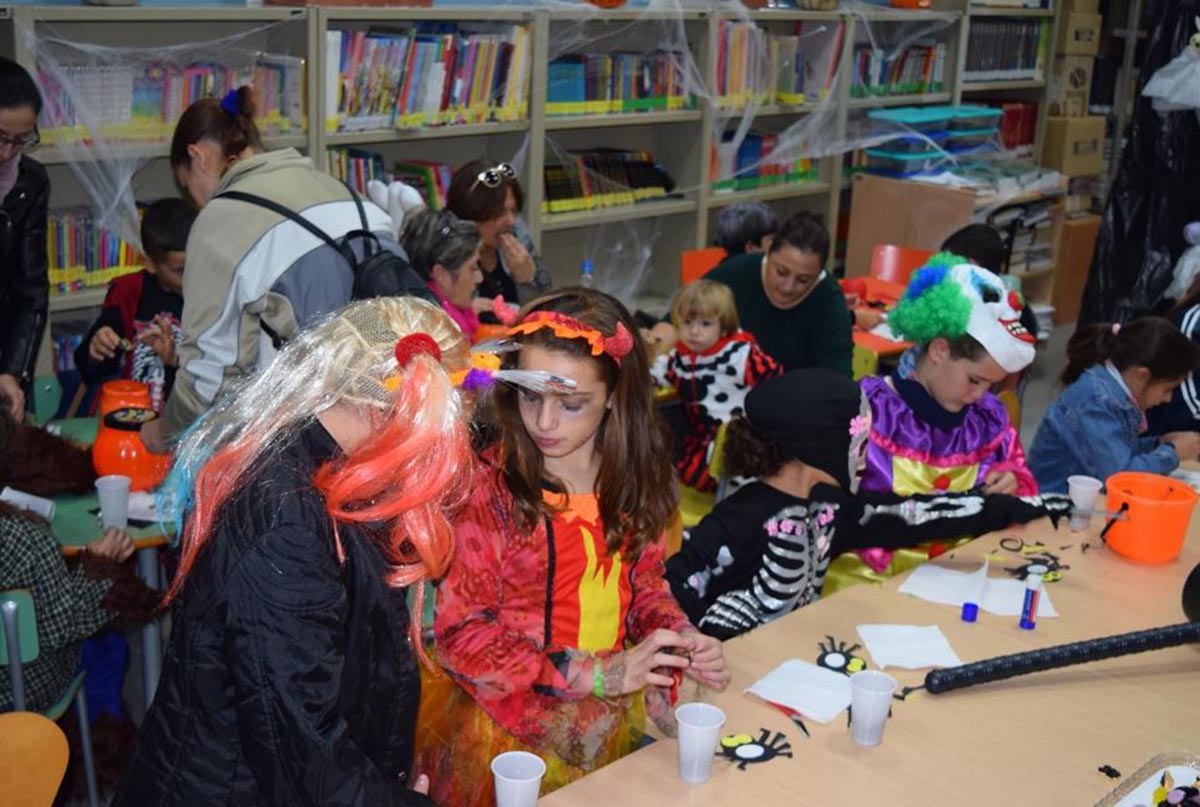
(1033, 593)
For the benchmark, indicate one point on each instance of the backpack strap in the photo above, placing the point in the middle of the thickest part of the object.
(370, 240)
(292, 215)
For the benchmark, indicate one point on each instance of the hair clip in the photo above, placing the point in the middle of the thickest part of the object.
(564, 326)
(505, 313)
(413, 344)
(858, 425)
(232, 103)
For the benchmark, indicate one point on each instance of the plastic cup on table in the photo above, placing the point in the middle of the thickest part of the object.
(113, 491)
(1083, 491)
(518, 776)
(870, 703)
(699, 726)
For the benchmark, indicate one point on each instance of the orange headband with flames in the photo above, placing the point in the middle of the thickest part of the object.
(617, 346)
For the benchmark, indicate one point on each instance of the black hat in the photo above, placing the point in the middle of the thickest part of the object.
(808, 413)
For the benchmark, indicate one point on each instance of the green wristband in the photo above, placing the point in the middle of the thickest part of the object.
(597, 679)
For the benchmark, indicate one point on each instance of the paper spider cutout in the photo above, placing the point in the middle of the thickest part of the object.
(745, 750)
(1047, 565)
(839, 657)
(1168, 794)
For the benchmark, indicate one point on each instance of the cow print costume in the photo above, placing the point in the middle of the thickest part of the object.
(712, 385)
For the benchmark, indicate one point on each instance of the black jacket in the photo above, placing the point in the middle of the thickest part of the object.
(289, 678)
(24, 285)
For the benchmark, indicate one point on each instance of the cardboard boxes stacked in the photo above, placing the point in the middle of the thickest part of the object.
(1074, 141)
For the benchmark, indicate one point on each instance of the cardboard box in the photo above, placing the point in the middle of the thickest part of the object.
(1076, 245)
(1074, 146)
(1070, 86)
(1080, 6)
(1078, 34)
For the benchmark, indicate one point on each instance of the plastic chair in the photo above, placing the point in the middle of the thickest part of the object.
(33, 759)
(695, 263)
(896, 264)
(21, 647)
(47, 396)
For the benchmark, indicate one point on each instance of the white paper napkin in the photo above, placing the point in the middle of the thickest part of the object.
(909, 646)
(1002, 597)
(142, 507)
(813, 691)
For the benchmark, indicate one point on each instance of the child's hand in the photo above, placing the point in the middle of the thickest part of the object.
(997, 482)
(517, 259)
(160, 336)
(868, 318)
(104, 345)
(115, 545)
(1187, 444)
(637, 668)
(708, 660)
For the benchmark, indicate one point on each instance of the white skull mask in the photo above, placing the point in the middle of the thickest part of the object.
(995, 320)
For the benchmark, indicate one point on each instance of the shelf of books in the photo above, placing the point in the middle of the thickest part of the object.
(610, 215)
(601, 121)
(976, 10)
(767, 193)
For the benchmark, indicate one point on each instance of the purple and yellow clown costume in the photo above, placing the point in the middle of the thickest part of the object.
(908, 455)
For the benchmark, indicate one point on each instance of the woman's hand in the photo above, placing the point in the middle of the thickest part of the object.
(868, 318)
(115, 545)
(10, 388)
(707, 664)
(634, 669)
(517, 259)
(104, 345)
(997, 482)
(1187, 444)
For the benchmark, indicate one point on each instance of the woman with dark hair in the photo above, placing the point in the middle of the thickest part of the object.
(1114, 374)
(554, 621)
(25, 194)
(444, 251)
(490, 195)
(253, 276)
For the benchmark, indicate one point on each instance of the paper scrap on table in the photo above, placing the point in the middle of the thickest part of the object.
(142, 507)
(912, 647)
(813, 691)
(883, 331)
(1189, 477)
(1001, 596)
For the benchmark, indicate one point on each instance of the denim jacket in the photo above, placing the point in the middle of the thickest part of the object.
(1093, 429)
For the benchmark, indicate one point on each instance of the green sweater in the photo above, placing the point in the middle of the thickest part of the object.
(816, 333)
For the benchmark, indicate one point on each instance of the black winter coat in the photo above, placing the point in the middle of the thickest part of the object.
(289, 678)
(24, 285)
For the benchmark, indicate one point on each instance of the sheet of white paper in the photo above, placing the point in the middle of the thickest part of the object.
(1002, 597)
(1190, 477)
(882, 330)
(912, 647)
(813, 691)
(142, 507)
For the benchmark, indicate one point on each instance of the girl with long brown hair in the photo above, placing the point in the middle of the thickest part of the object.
(554, 622)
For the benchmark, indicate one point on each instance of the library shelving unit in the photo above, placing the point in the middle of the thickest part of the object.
(681, 139)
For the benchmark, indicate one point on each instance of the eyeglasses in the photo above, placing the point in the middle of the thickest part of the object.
(496, 176)
(25, 143)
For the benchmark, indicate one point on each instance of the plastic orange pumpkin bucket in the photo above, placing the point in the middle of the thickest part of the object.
(1158, 510)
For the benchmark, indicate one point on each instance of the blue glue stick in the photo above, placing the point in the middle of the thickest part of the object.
(1033, 593)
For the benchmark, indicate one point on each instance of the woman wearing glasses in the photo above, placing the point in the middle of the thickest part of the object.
(24, 191)
(491, 196)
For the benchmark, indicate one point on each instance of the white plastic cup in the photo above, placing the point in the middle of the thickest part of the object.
(518, 776)
(699, 727)
(870, 702)
(1083, 491)
(29, 502)
(113, 491)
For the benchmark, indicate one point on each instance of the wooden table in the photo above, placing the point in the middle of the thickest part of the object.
(1037, 739)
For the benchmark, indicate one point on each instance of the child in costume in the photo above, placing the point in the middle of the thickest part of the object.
(764, 550)
(712, 366)
(314, 497)
(1115, 373)
(942, 430)
(554, 622)
(138, 326)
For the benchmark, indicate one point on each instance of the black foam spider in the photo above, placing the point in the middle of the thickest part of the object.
(839, 657)
(745, 750)
(1045, 564)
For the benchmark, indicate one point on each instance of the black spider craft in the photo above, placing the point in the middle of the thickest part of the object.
(745, 750)
(839, 657)
(1046, 564)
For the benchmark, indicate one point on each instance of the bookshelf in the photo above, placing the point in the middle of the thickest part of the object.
(681, 138)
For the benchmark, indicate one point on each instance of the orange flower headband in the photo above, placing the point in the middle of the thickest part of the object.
(617, 346)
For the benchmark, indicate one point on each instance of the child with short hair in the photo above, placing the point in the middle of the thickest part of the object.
(1114, 374)
(138, 327)
(764, 551)
(712, 367)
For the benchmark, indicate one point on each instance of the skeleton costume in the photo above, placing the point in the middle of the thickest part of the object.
(763, 552)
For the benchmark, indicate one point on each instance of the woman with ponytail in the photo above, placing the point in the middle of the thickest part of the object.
(1114, 374)
(311, 500)
(253, 276)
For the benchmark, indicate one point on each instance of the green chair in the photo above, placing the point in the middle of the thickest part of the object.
(20, 646)
(47, 396)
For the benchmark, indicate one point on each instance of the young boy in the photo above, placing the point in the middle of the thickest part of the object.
(135, 334)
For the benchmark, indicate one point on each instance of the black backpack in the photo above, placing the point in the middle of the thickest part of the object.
(379, 273)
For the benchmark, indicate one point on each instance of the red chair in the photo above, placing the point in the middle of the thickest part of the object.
(695, 263)
(896, 264)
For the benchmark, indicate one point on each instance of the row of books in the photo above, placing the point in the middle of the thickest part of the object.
(431, 75)
(1003, 49)
(143, 102)
(603, 178)
(1018, 124)
(754, 65)
(600, 83)
(917, 69)
(357, 167)
(81, 254)
(753, 164)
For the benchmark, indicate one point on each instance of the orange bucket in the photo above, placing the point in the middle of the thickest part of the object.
(1158, 512)
(120, 394)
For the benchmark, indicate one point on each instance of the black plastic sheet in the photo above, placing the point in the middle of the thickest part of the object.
(1156, 191)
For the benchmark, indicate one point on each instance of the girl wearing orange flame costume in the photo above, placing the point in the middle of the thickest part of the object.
(554, 623)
